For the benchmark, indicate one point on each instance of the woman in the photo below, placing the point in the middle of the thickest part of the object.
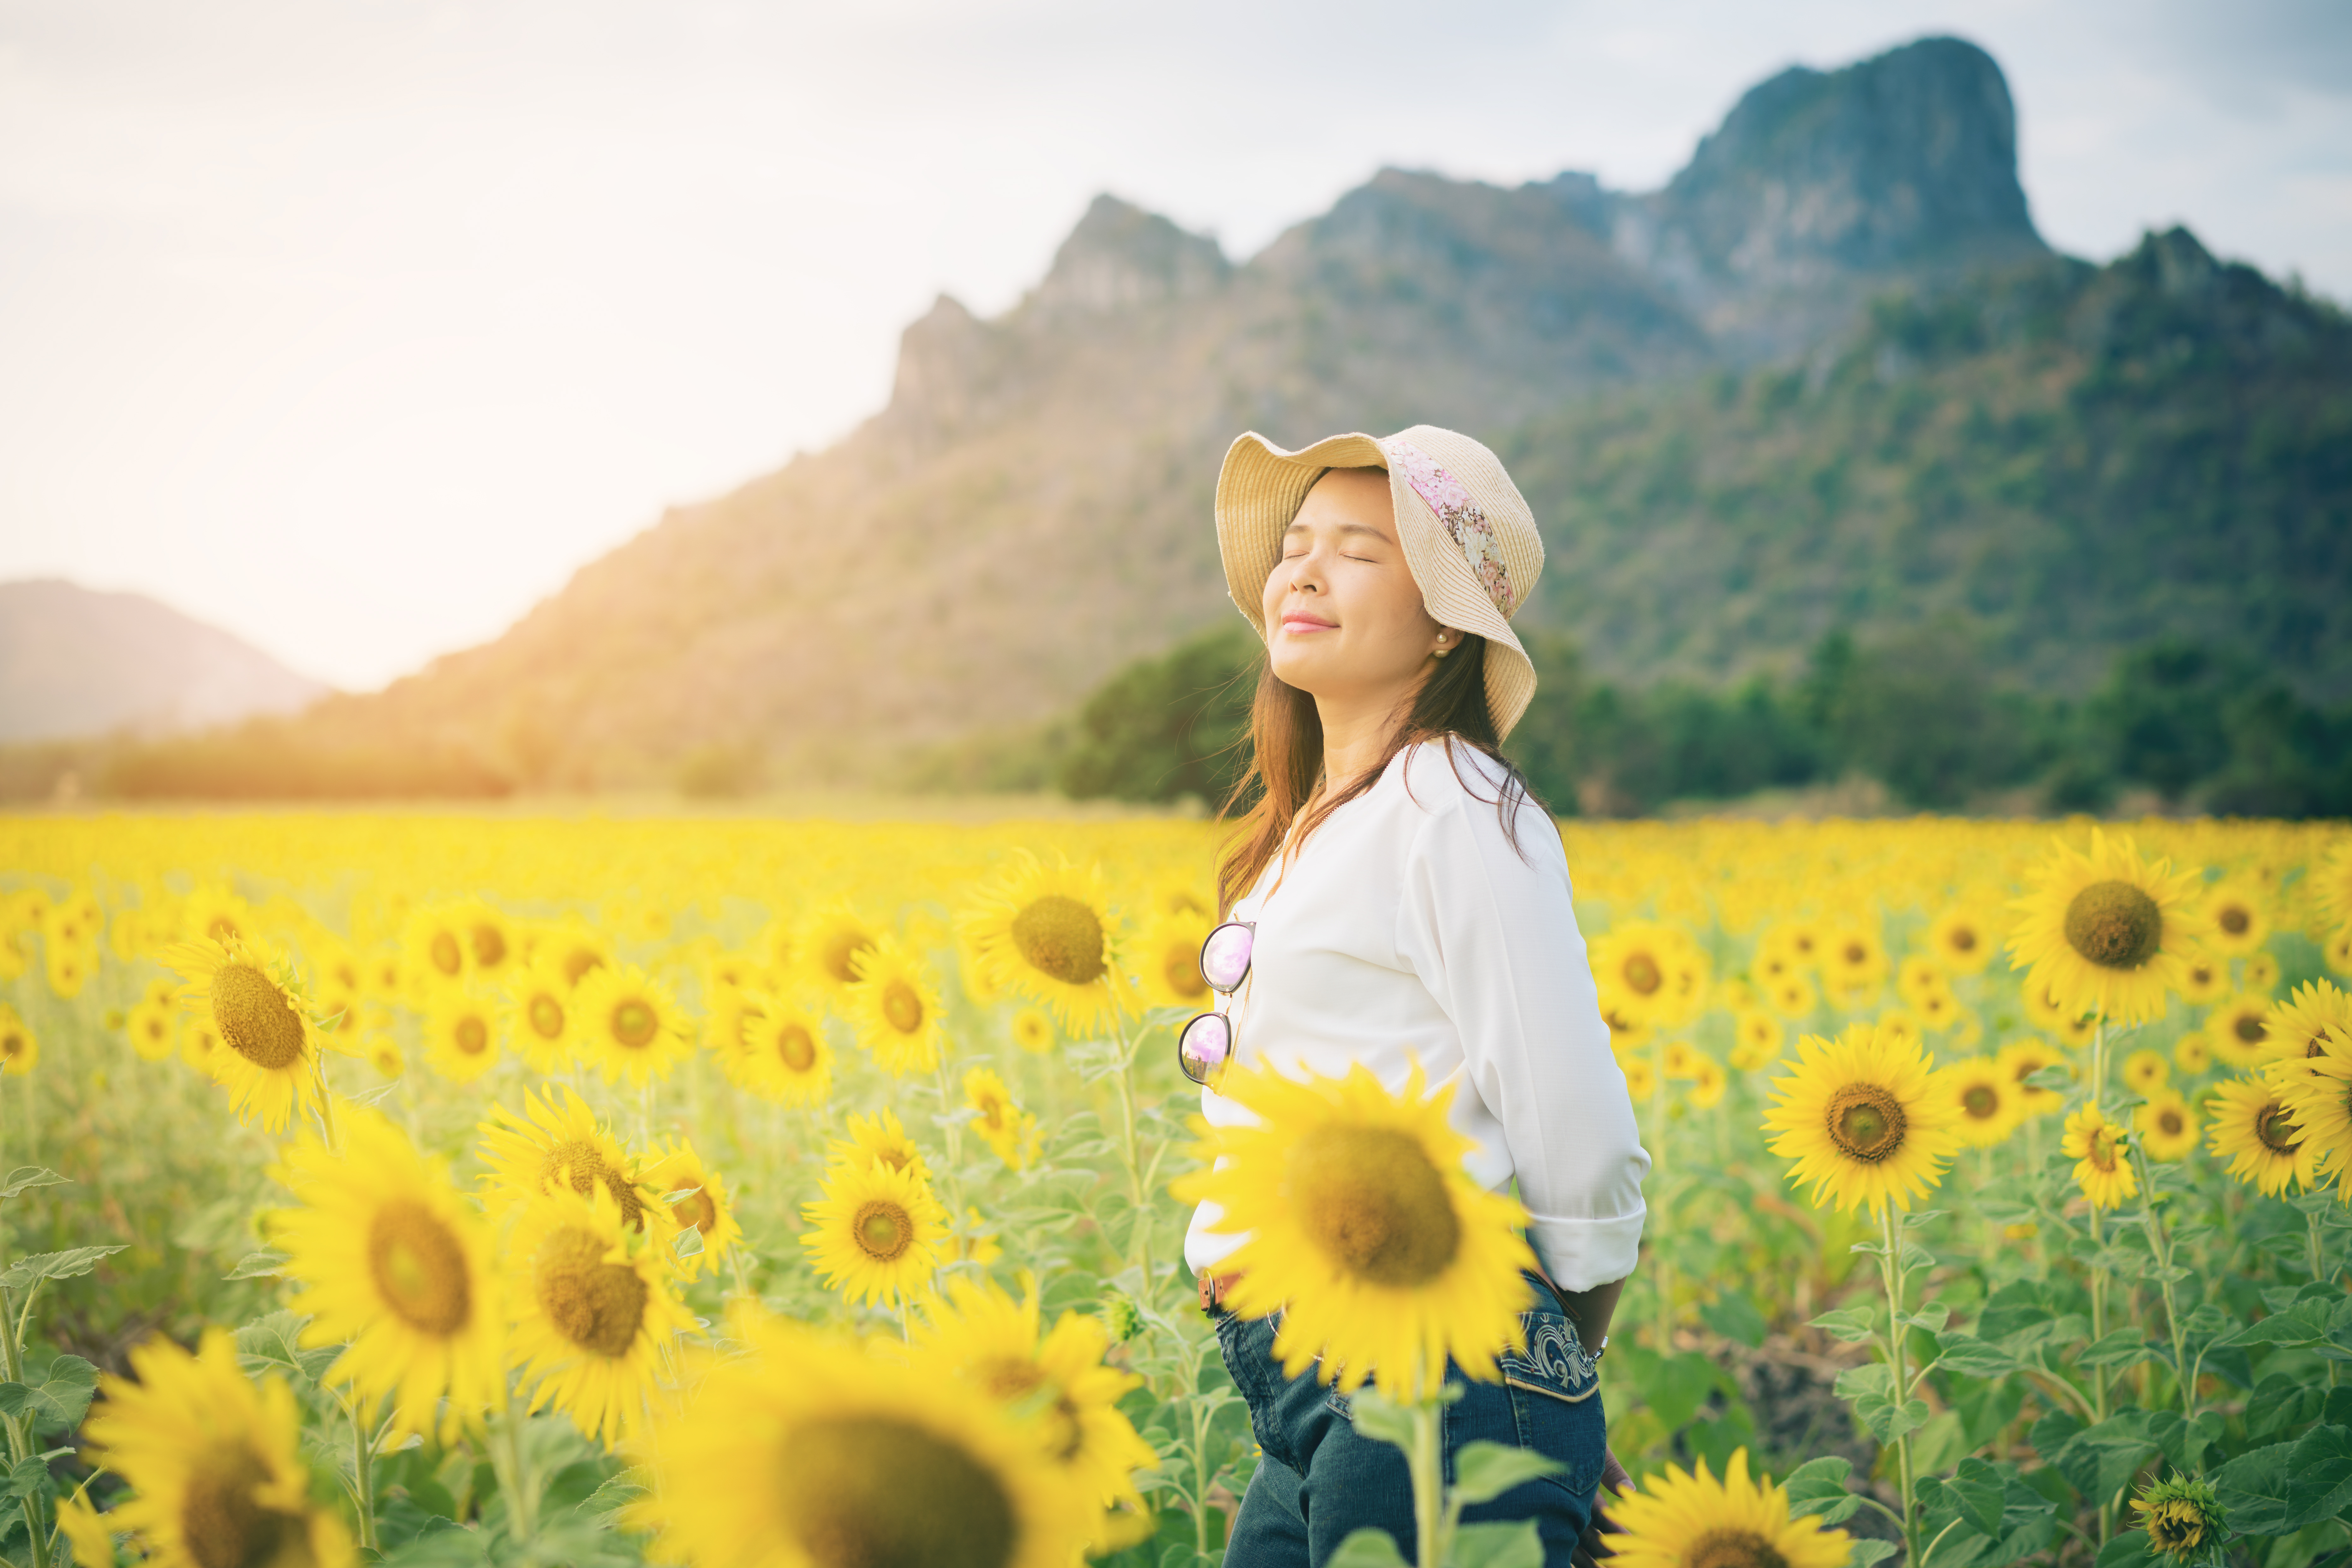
(1409, 901)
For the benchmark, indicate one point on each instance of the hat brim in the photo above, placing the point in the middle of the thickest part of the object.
(1259, 492)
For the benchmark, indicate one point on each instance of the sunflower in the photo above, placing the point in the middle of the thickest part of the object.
(879, 1139)
(20, 1050)
(2204, 979)
(539, 1018)
(1681, 1060)
(828, 946)
(385, 1055)
(1757, 1037)
(213, 913)
(2337, 951)
(1852, 962)
(395, 1261)
(1988, 1101)
(461, 1035)
(213, 1463)
(1708, 1080)
(2021, 1059)
(2233, 920)
(2319, 1094)
(1002, 1125)
(1170, 956)
(2167, 1126)
(812, 1452)
(2146, 1071)
(1961, 940)
(1634, 965)
(1628, 1038)
(1938, 1011)
(70, 965)
(2314, 1022)
(199, 1045)
(1684, 1520)
(1641, 1079)
(2256, 1129)
(2192, 1053)
(729, 974)
(1033, 1030)
(154, 1031)
(1047, 933)
(592, 1305)
(1918, 981)
(2105, 932)
(1792, 997)
(556, 1147)
(1863, 1118)
(895, 1008)
(2182, 1517)
(2240, 1030)
(630, 1026)
(573, 951)
(983, 1337)
(432, 953)
(1363, 1229)
(774, 1046)
(704, 1208)
(1901, 1026)
(879, 1232)
(2103, 1168)
(270, 1047)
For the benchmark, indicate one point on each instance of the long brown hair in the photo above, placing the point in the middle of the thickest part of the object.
(1285, 776)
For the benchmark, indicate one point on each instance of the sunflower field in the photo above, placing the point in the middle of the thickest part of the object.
(469, 1191)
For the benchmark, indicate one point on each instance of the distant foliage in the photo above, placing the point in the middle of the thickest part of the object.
(1161, 728)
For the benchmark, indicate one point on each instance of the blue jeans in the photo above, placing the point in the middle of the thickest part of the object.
(1317, 1480)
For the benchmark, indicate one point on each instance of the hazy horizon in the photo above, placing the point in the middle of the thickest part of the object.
(356, 333)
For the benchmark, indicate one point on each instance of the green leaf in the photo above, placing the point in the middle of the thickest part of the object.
(1819, 1486)
(1852, 1324)
(1484, 1471)
(275, 1343)
(1871, 1390)
(1368, 1548)
(24, 1178)
(23, 1479)
(2099, 1461)
(2058, 1077)
(1973, 1357)
(64, 1264)
(1376, 1418)
(1734, 1316)
(2279, 1490)
(1935, 1318)
(1509, 1545)
(2128, 1550)
(1978, 1489)
(2119, 1347)
(58, 1401)
(2306, 1322)
(2252, 1487)
(262, 1264)
(604, 1506)
(1868, 1550)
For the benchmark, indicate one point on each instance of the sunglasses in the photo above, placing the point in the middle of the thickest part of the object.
(1205, 1047)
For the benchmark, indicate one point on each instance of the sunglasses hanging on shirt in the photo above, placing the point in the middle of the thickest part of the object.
(1205, 1047)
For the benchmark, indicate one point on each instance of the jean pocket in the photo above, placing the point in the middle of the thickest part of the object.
(1554, 1363)
(1551, 1385)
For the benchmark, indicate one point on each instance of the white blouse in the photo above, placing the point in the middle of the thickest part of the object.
(1409, 929)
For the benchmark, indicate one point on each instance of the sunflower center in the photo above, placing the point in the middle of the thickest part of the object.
(2114, 925)
(579, 962)
(472, 1036)
(883, 1230)
(12, 1044)
(419, 1268)
(839, 955)
(546, 1016)
(490, 945)
(2235, 920)
(2169, 1122)
(445, 954)
(1732, 1549)
(224, 1526)
(797, 1047)
(255, 1017)
(2175, 1527)
(633, 1024)
(1643, 974)
(1865, 1121)
(598, 1306)
(1981, 1101)
(1061, 938)
(2275, 1126)
(697, 1210)
(1371, 1199)
(1854, 954)
(1181, 967)
(1962, 940)
(902, 1008)
(2101, 1151)
(878, 1491)
(580, 1165)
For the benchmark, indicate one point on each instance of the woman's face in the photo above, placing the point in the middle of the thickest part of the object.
(1343, 616)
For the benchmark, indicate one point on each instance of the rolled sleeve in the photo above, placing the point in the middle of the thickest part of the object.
(1491, 928)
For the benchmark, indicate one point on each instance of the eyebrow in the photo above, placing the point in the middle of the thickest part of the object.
(1344, 528)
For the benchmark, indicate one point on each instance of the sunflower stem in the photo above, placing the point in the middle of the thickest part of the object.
(1425, 1460)
(1890, 1264)
(1138, 1238)
(523, 1500)
(327, 1127)
(2160, 1243)
(363, 1469)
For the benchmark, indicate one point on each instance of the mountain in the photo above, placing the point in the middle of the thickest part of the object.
(75, 662)
(1828, 375)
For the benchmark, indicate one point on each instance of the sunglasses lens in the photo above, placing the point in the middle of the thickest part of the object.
(1225, 956)
(1205, 1044)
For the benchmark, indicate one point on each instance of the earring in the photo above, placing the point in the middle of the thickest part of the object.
(1442, 649)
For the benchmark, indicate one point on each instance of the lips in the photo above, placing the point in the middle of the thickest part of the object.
(1301, 624)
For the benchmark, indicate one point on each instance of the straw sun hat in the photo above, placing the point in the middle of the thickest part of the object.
(1468, 536)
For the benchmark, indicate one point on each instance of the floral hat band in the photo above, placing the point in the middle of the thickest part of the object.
(1467, 534)
(1458, 513)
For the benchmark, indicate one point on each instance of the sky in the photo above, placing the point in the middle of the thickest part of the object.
(355, 326)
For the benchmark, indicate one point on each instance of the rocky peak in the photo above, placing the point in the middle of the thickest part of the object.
(1120, 256)
(1903, 161)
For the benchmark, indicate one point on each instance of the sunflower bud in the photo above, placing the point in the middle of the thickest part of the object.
(1121, 1318)
(2184, 1520)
